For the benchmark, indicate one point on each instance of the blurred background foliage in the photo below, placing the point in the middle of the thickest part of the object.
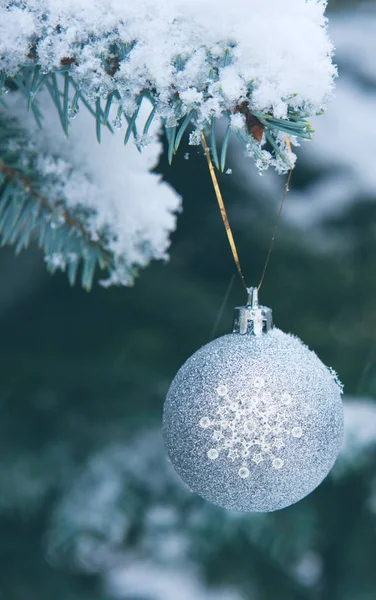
(89, 507)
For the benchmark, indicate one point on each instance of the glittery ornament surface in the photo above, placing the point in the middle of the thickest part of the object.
(253, 423)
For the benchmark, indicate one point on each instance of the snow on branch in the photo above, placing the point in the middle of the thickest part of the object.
(265, 66)
(89, 204)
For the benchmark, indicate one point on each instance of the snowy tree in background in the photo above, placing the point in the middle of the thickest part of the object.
(264, 68)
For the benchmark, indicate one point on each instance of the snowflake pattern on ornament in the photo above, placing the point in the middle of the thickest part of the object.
(250, 428)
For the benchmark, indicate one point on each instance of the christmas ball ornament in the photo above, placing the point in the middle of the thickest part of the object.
(253, 421)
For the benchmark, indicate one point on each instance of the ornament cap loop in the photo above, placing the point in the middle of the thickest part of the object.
(252, 299)
(252, 318)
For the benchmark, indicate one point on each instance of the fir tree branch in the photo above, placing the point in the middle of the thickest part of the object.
(68, 106)
(200, 75)
(26, 214)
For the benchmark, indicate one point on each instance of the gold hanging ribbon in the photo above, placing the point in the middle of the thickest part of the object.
(287, 188)
(226, 221)
(223, 210)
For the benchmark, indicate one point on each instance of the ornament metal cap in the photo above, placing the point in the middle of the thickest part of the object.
(252, 318)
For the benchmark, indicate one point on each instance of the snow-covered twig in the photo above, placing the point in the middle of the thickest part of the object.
(266, 67)
(85, 202)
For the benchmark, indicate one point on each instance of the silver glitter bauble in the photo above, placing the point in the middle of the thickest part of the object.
(253, 421)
